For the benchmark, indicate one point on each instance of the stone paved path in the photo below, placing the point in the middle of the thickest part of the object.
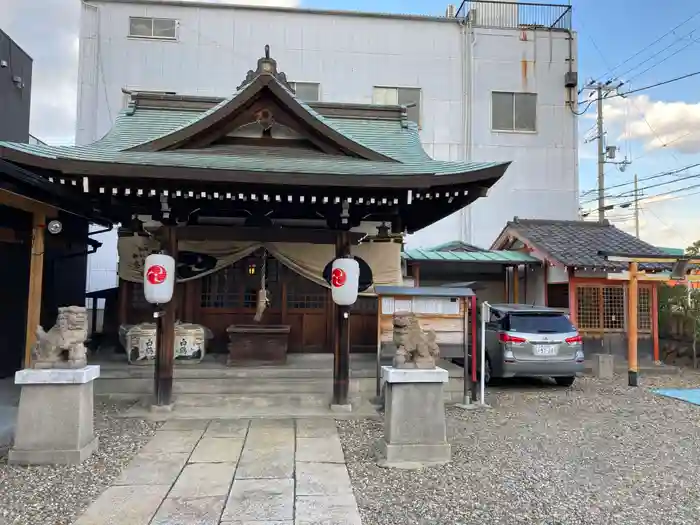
(233, 472)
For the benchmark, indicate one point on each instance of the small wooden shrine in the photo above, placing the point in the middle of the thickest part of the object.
(260, 191)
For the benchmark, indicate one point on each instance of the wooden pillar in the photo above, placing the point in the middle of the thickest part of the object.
(545, 274)
(573, 310)
(341, 346)
(415, 269)
(516, 283)
(123, 300)
(632, 312)
(655, 320)
(163, 380)
(36, 274)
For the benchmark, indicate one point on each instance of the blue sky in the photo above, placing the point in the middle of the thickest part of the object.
(610, 32)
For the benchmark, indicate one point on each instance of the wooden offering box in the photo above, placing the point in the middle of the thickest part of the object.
(257, 344)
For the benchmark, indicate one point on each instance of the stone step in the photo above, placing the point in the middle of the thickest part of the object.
(135, 388)
(228, 406)
(219, 385)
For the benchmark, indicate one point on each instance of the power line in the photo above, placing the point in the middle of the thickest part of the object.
(666, 58)
(628, 193)
(655, 85)
(647, 47)
(647, 197)
(673, 43)
(663, 83)
(649, 177)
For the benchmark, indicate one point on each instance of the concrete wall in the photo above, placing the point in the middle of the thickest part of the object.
(349, 54)
(15, 90)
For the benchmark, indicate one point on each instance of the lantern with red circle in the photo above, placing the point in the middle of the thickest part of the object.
(159, 278)
(345, 275)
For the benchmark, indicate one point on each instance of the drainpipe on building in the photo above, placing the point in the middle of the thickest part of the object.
(467, 57)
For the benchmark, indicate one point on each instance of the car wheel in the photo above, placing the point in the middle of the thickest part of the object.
(565, 381)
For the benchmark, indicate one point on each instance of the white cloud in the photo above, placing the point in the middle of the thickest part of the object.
(655, 123)
(48, 31)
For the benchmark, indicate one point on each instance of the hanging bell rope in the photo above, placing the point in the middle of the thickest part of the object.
(263, 294)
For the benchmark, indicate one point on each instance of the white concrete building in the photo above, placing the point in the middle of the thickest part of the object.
(488, 86)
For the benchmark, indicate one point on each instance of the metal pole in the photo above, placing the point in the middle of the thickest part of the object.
(636, 206)
(633, 373)
(466, 396)
(475, 328)
(482, 386)
(601, 157)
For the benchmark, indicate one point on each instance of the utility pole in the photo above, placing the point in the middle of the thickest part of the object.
(636, 206)
(601, 155)
(606, 155)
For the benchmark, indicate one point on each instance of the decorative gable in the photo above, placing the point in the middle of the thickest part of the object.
(263, 112)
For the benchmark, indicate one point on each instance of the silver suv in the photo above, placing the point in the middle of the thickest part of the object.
(532, 341)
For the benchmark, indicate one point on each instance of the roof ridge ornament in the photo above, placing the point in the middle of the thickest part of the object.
(266, 66)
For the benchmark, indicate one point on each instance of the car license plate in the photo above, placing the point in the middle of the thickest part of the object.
(545, 350)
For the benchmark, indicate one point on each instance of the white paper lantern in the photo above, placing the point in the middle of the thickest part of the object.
(159, 278)
(345, 276)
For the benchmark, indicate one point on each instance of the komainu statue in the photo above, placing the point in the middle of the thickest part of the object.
(414, 347)
(62, 346)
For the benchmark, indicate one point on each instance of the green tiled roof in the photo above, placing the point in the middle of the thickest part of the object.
(391, 138)
(492, 256)
(672, 251)
(396, 139)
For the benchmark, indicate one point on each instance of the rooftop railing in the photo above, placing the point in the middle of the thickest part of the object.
(515, 15)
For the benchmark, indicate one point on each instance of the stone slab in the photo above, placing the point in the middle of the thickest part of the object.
(269, 450)
(229, 428)
(190, 511)
(153, 469)
(217, 450)
(260, 460)
(322, 479)
(57, 376)
(185, 424)
(18, 456)
(320, 450)
(257, 522)
(324, 510)
(261, 500)
(316, 427)
(198, 480)
(119, 505)
(415, 375)
(167, 441)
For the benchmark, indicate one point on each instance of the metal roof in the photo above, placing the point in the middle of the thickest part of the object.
(482, 257)
(425, 291)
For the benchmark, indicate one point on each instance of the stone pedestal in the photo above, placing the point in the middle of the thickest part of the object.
(415, 433)
(603, 366)
(55, 417)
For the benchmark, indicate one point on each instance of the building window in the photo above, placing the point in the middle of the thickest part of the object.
(513, 111)
(160, 28)
(306, 91)
(392, 96)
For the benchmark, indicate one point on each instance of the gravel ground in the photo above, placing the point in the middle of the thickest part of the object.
(597, 453)
(58, 495)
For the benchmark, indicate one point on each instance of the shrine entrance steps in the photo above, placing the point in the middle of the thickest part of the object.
(300, 388)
